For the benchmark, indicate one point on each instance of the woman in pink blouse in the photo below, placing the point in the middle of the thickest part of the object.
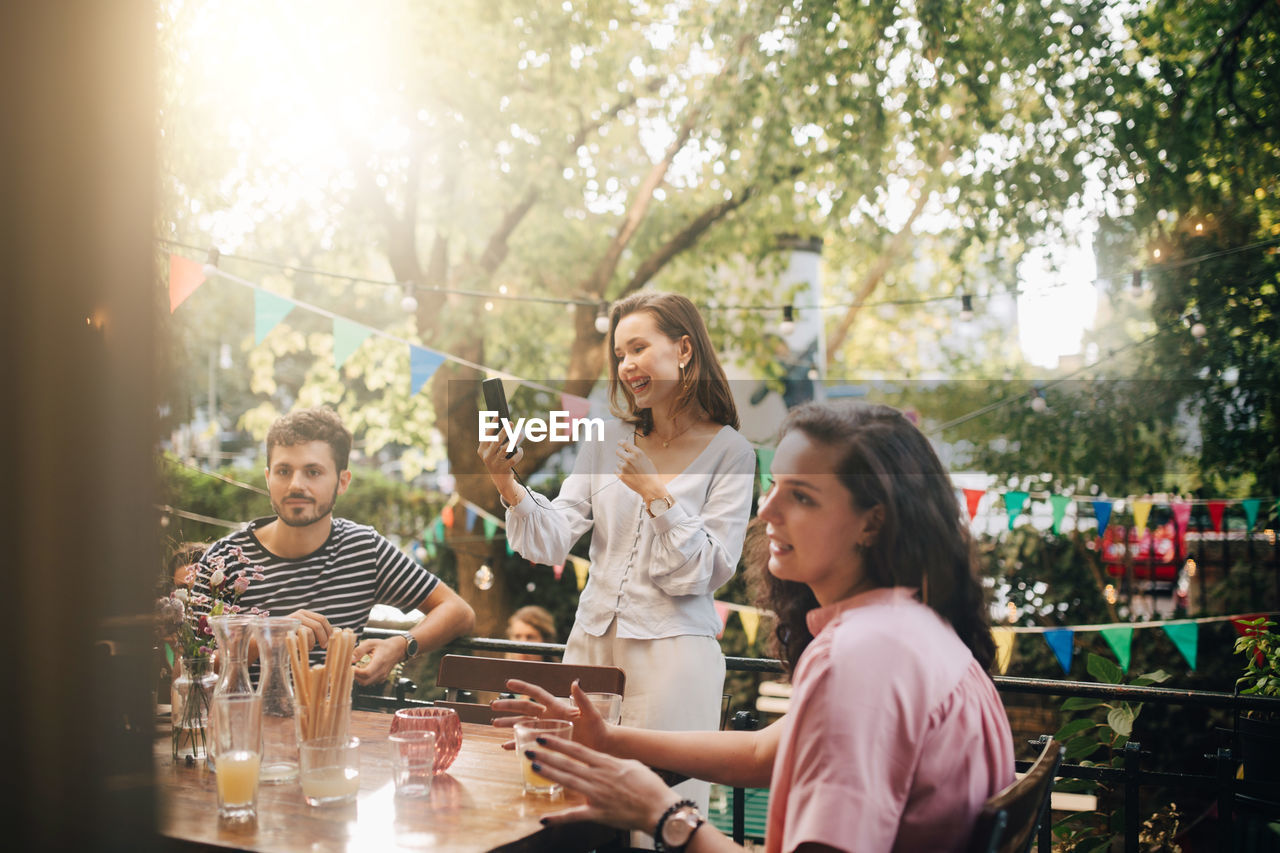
(896, 734)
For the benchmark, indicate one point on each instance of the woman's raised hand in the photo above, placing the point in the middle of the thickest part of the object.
(589, 728)
(494, 456)
(637, 471)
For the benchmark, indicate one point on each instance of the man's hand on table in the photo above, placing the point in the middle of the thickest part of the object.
(383, 655)
(315, 630)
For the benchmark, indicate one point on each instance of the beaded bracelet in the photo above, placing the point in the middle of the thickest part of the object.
(658, 844)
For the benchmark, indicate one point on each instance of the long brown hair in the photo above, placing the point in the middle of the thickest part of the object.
(675, 317)
(923, 541)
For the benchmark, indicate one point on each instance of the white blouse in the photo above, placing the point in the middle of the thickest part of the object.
(656, 575)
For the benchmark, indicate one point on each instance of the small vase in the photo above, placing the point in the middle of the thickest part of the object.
(191, 692)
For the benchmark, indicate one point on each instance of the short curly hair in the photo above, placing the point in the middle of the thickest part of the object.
(318, 424)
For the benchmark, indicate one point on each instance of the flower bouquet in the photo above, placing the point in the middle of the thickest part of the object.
(211, 587)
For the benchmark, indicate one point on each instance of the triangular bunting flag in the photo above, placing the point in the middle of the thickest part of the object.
(268, 310)
(581, 567)
(439, 525)
(423, 363)
(971, 499)
(446, 515)
(558, 570)
(750, 620)
(1004, 648)
(577, 407)
(1141, 512)
(1059, 504)
(347, 338)
(1215, 513)
(1013, 502)
(510, 385)
(490, 528)
(1181, 518)
(471, 519)
(722, 611)
(1102, 511)
(185, 275)
(765, 456)
(510, 550)
(1121, 641)
(1186, 636)
(1251, 507)
(1060, 640)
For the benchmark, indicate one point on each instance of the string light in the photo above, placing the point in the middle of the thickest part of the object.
(1189, 567)
(1038, 403)
(1109, 593)
(602, 319)
(408, 302)
(788, 324)
(211, 262)
(484, 577)
(966, 307)
(1136, 283)
(503, 293)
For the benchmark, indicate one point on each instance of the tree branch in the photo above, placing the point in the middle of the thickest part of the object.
(874, 276)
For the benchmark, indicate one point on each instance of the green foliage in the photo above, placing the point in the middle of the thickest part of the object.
(1261, 650)
(1097, 738)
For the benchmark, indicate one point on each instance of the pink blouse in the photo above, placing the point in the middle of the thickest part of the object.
(895, 736)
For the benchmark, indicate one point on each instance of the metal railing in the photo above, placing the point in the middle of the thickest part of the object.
(1219, 781)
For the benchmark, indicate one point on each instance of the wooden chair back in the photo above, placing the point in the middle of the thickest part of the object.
(462, 672)
(1008, 820)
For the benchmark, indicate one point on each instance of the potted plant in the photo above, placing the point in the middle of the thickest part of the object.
(1259, 731)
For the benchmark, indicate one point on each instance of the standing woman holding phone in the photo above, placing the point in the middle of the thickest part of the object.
(667, 496)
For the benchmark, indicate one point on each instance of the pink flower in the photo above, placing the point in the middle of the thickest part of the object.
(217, 578)
(241, 584)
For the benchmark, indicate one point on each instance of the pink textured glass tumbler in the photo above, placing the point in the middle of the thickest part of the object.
(443, 721)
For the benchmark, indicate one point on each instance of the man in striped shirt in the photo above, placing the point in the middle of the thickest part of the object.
(328, 572)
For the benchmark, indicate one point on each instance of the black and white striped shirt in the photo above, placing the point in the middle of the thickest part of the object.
(353, 570)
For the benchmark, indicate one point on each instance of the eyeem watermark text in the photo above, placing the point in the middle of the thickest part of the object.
(561, 427)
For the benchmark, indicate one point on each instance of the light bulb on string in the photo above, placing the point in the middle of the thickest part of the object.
(420, 554)
(211, 262)
(1038, 403)
(966, 307)
(602, 319)
(409, 302)
(1198, 330)
(788, 324)
(484, 577)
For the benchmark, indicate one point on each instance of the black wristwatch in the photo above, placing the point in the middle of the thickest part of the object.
(411, 645)
(676, 827)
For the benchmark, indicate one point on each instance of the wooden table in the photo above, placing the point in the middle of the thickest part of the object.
(478, 804)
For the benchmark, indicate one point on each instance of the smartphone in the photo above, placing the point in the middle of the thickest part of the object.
(495, 400)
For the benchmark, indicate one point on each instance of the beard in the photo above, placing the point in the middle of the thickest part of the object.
(304, 516)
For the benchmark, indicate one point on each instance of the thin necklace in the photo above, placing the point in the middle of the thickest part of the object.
(667, 441)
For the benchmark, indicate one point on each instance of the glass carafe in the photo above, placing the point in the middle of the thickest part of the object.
(279, 710)
(232, 634)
